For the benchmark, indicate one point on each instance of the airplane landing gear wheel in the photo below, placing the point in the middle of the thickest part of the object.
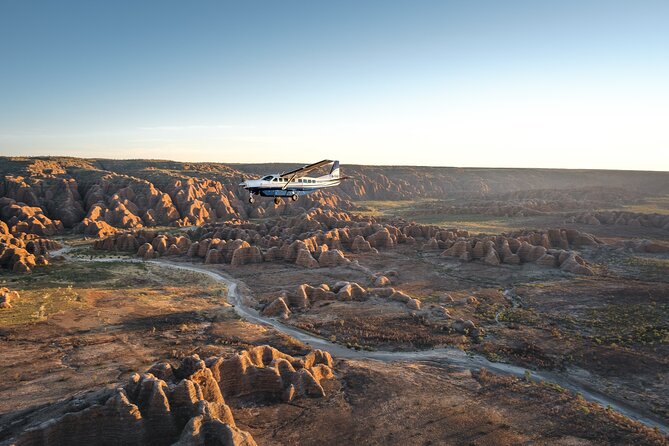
(251, 199)
(277, 200)
(293, 197)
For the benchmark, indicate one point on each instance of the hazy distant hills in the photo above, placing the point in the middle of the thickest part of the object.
(406, 182)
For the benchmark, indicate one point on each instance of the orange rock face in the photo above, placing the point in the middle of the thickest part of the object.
(6, 297)
(22, 218)
(185, 404)
(97, 199)
(94, 228)
(22, 252)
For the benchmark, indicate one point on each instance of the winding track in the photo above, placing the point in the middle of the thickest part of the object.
(445, 356)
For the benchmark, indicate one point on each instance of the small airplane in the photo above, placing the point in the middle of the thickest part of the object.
(294, 183)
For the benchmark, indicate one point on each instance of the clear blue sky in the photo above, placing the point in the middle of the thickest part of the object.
(465, 83)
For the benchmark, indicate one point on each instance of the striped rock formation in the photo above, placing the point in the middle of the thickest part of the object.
(21, 252)
(184, 404)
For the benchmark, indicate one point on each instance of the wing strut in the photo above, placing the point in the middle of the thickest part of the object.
(288, 182)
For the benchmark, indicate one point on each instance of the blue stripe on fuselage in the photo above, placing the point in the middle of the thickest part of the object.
(278, 192)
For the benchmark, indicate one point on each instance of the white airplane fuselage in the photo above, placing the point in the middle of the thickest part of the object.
(273, 185)
(294, 183)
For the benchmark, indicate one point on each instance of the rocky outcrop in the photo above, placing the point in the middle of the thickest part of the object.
(91, 228)
(323, 235)
(277, 308)
(466, 327)
(646, 246)
(305, 295)
(399, 296)
(380, 280)
(351, 291)
(622, 218)
(27, 219)
(305, 259)
(6, 297)
(432, 243)
(213, 256)
(548, 260)
(244, 255)
(574, 264)
(184, 404)
(381, 239)
(320, 237)
(332, 258)
(458, 249)
(547, 248)
(146, 252)
(139, 241)
(264, 373)
(361, 245)
(90, 197)
(20, 253)
(155, 408)
(491, 258)
(203, 430)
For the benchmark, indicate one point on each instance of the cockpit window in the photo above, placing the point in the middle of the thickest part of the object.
(267, 178)
(275, 180)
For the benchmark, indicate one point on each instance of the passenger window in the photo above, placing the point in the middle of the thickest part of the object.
(275, 180)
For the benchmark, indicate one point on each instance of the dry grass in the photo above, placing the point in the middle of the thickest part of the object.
(77, 285)
(651, 205)
(420, 212)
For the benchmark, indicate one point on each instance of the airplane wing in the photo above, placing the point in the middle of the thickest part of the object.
(302, 171)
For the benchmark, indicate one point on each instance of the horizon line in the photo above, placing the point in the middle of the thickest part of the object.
(343, 164)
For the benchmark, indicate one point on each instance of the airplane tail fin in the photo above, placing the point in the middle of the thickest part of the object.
(334, 172)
